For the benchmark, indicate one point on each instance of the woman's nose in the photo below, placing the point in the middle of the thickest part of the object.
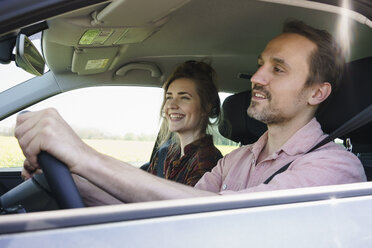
(172, 103)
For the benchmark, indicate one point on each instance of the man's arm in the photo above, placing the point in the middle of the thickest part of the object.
(46, 131)
(92, 195)
(130, 184)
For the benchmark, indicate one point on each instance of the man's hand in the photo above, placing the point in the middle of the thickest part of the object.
(47, 131)
(29, 171)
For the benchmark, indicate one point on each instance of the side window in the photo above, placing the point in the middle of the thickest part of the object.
(119, 121)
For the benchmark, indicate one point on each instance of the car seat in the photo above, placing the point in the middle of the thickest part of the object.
(236, 125)
(352, 96)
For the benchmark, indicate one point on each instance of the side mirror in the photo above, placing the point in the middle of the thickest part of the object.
(28, 57)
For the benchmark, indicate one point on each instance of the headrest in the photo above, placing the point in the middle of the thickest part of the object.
(353, 95)
(236, 125)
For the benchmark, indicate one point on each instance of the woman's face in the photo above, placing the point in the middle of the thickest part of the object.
(182, 108)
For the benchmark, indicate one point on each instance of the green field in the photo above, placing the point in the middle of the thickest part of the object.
(134, 152)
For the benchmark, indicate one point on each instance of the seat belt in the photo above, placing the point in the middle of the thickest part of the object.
(161, 159)
(357, 121)
(162, 154)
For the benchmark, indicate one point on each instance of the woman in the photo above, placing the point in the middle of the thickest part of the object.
(190, 101)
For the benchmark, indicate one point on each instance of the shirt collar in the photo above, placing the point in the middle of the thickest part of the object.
(257, 147)
(302, 141)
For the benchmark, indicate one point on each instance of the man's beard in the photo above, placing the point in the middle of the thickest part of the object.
(268, 114)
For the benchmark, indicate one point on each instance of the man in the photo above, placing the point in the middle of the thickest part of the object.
(296, 73)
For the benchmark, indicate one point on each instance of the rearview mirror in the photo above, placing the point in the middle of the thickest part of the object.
(28, 57)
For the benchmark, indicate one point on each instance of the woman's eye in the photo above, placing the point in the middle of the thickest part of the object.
(185, 98)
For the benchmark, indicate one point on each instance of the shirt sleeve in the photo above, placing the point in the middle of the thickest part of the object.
(212, 181)
(315, 169)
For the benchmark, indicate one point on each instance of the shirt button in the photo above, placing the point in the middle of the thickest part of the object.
(224, 186)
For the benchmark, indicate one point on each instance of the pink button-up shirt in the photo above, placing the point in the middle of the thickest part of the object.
(238, 172)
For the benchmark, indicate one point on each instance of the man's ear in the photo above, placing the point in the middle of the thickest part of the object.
(320, 93)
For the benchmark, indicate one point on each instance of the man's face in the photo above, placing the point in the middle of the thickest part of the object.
(278, 87)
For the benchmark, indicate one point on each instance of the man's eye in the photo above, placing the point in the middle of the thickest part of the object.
(185, 98)
(277, 69)
(168, 98)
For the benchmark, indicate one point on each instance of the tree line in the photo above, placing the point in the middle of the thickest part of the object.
(93, 133)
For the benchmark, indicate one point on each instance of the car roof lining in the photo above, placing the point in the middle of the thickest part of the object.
(363, 7)
(181, 38)
(324, 6)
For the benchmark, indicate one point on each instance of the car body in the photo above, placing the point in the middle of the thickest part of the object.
(138, 42)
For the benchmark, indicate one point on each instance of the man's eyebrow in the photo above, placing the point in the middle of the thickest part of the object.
(277, 61)
(281, 62)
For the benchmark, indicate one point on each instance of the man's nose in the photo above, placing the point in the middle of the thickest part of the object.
(261, 76)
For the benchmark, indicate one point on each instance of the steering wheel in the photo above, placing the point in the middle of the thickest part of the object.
(60, 181)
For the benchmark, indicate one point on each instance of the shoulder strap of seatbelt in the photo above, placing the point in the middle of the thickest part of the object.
(357, 121)
(161, 159)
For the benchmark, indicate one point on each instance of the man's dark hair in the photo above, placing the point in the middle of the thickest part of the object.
(327, 61)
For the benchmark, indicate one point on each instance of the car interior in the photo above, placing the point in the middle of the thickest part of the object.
(110, 43)
(107, 45)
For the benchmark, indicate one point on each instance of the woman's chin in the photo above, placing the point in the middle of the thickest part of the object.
(174, 129)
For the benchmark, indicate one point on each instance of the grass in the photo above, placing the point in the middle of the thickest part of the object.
(10, 153)
(134, 152)
(226, 149)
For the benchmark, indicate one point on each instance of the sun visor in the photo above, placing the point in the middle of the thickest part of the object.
(92, 60)
(126, 12)
(135, 35)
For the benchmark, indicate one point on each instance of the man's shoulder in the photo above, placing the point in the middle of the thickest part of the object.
(333, 152)
(341, 165)
(333, 147)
